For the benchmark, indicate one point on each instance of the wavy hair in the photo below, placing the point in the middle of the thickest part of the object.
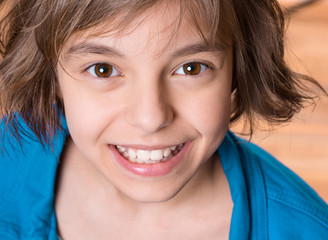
(32, 33)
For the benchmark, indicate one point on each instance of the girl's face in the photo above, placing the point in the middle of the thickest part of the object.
(147, 107)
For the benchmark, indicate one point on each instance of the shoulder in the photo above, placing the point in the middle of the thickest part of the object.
(27, 175)
(293, 208)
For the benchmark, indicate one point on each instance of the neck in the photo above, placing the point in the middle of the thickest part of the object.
(81, 187)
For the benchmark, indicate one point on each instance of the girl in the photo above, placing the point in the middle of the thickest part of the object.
(115, 118)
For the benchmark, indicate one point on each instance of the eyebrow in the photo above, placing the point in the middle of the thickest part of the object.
(92, 48)
(99, 49)
(199, 48)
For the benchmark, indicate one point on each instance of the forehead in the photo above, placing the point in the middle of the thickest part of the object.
(159, 29)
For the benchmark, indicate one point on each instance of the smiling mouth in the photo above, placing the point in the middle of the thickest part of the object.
(149, 156)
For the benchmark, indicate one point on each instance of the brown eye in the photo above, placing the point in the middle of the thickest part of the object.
(103, 70)
(191, 69)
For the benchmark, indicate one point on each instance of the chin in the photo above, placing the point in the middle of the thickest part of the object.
(148, 194)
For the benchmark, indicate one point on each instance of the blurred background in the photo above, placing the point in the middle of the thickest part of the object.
(302, 145)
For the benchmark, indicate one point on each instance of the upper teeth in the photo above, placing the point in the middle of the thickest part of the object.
(149, 156)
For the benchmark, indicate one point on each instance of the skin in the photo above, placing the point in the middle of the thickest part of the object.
(149, 102)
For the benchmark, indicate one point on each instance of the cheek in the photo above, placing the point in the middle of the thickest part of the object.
(214, 122)
(210, 108)
(85, 114)
(209, 111)
(81, 121)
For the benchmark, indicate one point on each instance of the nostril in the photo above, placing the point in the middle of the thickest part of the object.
(149, 114)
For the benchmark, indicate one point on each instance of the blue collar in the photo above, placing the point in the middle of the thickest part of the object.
(249, 217)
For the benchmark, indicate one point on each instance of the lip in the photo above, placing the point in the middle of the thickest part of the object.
(150, 170)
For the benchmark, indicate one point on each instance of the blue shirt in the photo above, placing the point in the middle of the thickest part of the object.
(270, 201)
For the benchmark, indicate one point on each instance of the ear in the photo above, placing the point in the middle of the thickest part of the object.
(59, 94)
(58, 90)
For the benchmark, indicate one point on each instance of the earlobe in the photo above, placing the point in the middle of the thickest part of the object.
(233, 85)
(59, 94)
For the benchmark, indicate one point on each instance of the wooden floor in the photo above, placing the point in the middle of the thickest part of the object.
(303, 144)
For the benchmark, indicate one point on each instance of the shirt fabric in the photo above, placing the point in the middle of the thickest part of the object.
(270, 201)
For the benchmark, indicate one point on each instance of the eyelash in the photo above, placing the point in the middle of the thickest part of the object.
(197, 67)
(113, 72)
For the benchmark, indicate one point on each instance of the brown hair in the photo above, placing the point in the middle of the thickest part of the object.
(32, 33)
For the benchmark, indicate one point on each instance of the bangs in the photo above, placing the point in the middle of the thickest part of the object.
(65, 18)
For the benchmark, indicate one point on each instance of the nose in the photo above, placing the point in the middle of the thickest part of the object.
(149, 108)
